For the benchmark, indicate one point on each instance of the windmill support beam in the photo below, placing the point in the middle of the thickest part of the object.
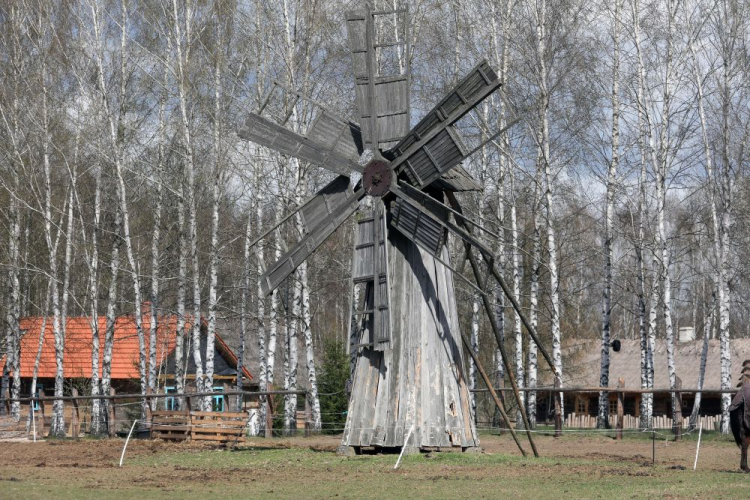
(506, 290)
(495, 398)
(500, 346)
(531, 330)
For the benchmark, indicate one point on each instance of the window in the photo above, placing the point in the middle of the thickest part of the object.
(613, 406)
(582, 405)
(169, 402)
(218, 401)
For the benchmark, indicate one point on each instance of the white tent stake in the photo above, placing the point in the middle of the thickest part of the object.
(698, 448)
(126, 441)
(403, 448)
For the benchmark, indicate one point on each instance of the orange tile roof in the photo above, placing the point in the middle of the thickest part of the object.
(78, 347)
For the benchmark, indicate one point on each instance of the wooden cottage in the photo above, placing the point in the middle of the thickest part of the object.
(125, 356)
(581, 368)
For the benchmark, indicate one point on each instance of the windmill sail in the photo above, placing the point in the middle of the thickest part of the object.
(426, 222)
(335, 155)
(334, 208)
(389, 82)
(433, 146)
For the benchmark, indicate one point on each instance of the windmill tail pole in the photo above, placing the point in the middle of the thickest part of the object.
(503, 355)
(495, 329)
(495, 398)
(511, 297)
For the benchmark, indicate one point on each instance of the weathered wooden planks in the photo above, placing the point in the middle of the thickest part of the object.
(418, 379)
(379, 68)
(363, 272)
(335, 155)
(221, 427)
(433, 147)
(170, 425)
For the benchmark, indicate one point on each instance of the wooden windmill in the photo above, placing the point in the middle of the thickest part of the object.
(409, 378)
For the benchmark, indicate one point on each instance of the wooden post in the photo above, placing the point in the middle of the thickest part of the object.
(75, 420)
(111, 424)
(677, 417)
(308, 416)
(269, 417)
(558, 409)
(40, 428)
(148, 406)
(495, 398)
(620, 407)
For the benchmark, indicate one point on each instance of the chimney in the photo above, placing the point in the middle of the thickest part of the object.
(686, 334)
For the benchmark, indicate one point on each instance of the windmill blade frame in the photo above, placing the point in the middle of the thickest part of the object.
(426, 221)
(433, 146)
(338, 209)
(265, 132)
(382, 99)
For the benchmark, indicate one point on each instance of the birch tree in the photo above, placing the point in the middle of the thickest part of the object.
(603, 415)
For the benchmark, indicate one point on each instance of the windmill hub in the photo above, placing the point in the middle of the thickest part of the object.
(377, 177)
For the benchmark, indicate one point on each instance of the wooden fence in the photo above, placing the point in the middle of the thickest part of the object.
(578, 421)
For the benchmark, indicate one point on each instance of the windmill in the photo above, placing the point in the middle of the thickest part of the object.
(409, 378)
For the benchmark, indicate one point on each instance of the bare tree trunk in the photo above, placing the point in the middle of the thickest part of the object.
(155, 240)
(312, 380)
(183, 58)
(695, 414)
(645, 147)
(475, 315)
(57, 428)
(109, 332)
(544, 145)
(179, 349)
(96, 414)
(243, 312)
(40, 345)
(603, 415)
(216, 195)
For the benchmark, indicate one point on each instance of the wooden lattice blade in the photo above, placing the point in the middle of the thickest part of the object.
(391, 90)
(433, 147)
(335, 209)
(426, 221)
(339, 155)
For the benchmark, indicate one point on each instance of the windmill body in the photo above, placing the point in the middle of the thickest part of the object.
(409, 377)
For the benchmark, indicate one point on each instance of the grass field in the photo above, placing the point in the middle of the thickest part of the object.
(574, 466)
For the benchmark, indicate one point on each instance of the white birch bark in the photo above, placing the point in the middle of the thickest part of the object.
(290, 402)
(40, 345)
(57, 427)
(661, 173)
(180, 354)
(155, 240)
(730, 13)
(243, 311)
(116, 133)
(214, 249)
(603, 414)
(312, 380)
(182, 48)
(475, 311)
(109, 332)
(544, 144)
(96, 415)
(645, 145)
(263, 353)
